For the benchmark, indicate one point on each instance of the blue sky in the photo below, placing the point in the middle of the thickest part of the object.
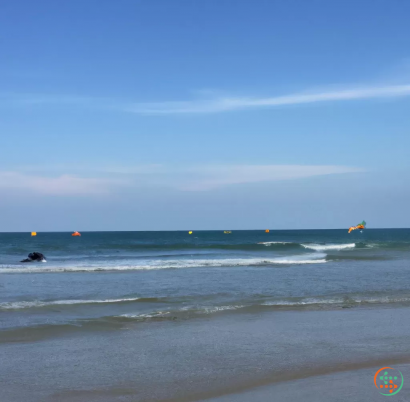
(157, 115)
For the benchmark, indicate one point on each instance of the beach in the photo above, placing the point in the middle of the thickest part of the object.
(206, 359)
(204, 201)
(290, 315)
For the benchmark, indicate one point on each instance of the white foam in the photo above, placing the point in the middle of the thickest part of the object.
(189, 309)
(39, 303)
(268, 243)
(291, 262)
(322, 247)
(314, 258)
(209, 310)
(156, 314)
(358, 300)
(303, 302)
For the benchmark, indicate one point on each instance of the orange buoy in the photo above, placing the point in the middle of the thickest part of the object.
(267, 230)
(34, 233)
(76, 234)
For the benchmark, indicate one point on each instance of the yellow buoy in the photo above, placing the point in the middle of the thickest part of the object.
(227, 231)
(267, 230)
(190, 232)
(34, 233)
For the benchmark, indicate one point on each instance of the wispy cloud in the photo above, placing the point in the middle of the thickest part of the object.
(225, 104)
(216, 104)
(212, 177)
(63, 185)
(185, 178)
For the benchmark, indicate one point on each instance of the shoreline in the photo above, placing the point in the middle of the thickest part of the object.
(262, 386)
(354, 385)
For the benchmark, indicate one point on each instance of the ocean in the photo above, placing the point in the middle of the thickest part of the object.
(96, 288)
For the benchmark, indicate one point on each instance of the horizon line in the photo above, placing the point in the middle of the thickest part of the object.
(199, 230)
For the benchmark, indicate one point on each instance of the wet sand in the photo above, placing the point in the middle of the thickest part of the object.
(225, 357)
(352, 386)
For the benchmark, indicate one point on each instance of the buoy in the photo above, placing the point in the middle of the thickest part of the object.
(76, 234)
(190, 232)
(227, 231)
(267, 230)
(34, 233)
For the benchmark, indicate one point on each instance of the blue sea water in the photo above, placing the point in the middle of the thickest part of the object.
(109, 279)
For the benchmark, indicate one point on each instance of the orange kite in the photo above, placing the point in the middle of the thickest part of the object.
(359, 226)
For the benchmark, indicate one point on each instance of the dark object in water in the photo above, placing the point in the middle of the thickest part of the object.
(35, 257)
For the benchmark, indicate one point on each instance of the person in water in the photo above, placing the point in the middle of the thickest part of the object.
(35, 257)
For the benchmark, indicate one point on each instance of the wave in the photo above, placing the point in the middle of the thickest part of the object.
(353, 257)
(269, 243)
(316, 258)
(389, 245)
(400, 245)
(105, 250)
(323, 247)
(341, 301)
(122, 321)
(193, 311)
(116, 322)
(208, 309)
(311, 246)
(39, 303)
(183, 312)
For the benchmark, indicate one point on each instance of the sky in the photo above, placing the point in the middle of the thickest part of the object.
(220, 114)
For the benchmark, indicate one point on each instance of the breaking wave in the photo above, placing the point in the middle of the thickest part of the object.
(315, 258)
(323, 247)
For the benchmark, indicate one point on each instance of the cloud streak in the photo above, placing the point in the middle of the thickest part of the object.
(211, 105)
(226, 104)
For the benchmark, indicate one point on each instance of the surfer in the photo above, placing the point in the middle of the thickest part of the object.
(35, 257)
